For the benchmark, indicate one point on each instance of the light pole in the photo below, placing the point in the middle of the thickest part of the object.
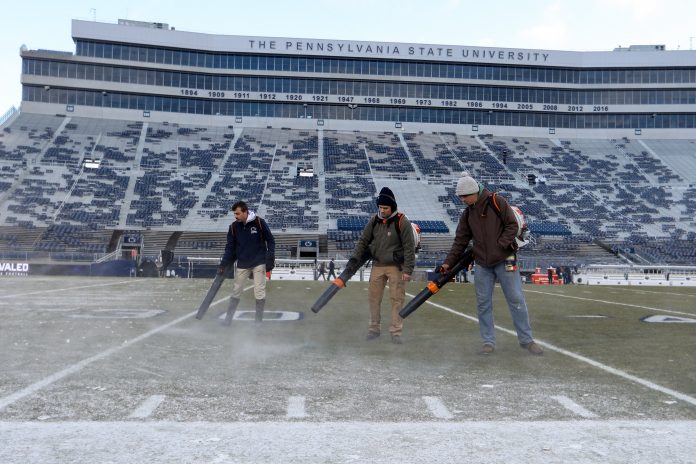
(352, 107)
(103, 97)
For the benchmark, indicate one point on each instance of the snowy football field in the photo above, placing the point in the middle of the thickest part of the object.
(119, 370)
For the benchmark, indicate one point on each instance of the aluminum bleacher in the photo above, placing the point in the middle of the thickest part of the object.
(635, 194)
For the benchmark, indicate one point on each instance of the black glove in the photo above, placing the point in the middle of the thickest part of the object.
(227, 271)
(270, 262)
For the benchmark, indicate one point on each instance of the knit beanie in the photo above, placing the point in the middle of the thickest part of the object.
(386, 198)
(466, 185)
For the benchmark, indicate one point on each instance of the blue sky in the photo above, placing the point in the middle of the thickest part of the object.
(539, 24)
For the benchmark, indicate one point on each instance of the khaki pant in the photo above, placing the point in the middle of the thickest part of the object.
(241, 278)
(379, 277)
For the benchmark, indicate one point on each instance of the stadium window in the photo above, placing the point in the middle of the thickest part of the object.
(613, 76)
(516, 118)
(62, 70)
(130, 53)
(683, 75)
(553, 75)
(678, 120)
(141, 77)
(117, 52)
(81, 71)
(81, 98)
(185, 58)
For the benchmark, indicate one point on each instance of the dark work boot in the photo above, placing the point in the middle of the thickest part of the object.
(259, 309)
(230, 311)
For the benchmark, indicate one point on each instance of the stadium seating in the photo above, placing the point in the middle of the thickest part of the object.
(71, 177)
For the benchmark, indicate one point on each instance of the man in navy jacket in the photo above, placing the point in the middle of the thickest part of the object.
(251, 244)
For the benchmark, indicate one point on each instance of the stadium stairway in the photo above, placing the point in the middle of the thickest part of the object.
(419, 173)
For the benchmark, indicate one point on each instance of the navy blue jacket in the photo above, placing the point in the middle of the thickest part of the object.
(247, 245)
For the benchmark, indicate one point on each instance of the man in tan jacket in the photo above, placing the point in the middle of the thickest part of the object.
(389, 238)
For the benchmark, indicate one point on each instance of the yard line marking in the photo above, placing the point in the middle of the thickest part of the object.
(612, 302)
(574, 407)
(36, 386)
(592, 362)
(296, 407)
(642, 290)
(437, 407)
(68, 288)
(147, 407)
(53, 378)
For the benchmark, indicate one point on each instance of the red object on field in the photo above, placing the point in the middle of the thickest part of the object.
(542, 278)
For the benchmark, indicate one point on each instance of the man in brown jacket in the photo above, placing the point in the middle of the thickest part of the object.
(389, 237)
(493, 229)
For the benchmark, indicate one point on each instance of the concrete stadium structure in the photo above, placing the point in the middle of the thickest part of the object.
(150, 131)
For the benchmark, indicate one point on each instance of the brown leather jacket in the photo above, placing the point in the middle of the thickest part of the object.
(493, 235)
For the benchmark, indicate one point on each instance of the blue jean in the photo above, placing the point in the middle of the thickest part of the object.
(511, 283)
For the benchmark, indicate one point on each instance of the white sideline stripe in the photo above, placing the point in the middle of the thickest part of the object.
(53, 378)
(437, 407)
(36, 386)
(618, 303)
(591, 362)
(147, 407)
(574, 407)
(68, 288)
(296, 407)
(643, 290)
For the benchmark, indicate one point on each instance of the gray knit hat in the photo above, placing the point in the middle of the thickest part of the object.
(466, 185)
